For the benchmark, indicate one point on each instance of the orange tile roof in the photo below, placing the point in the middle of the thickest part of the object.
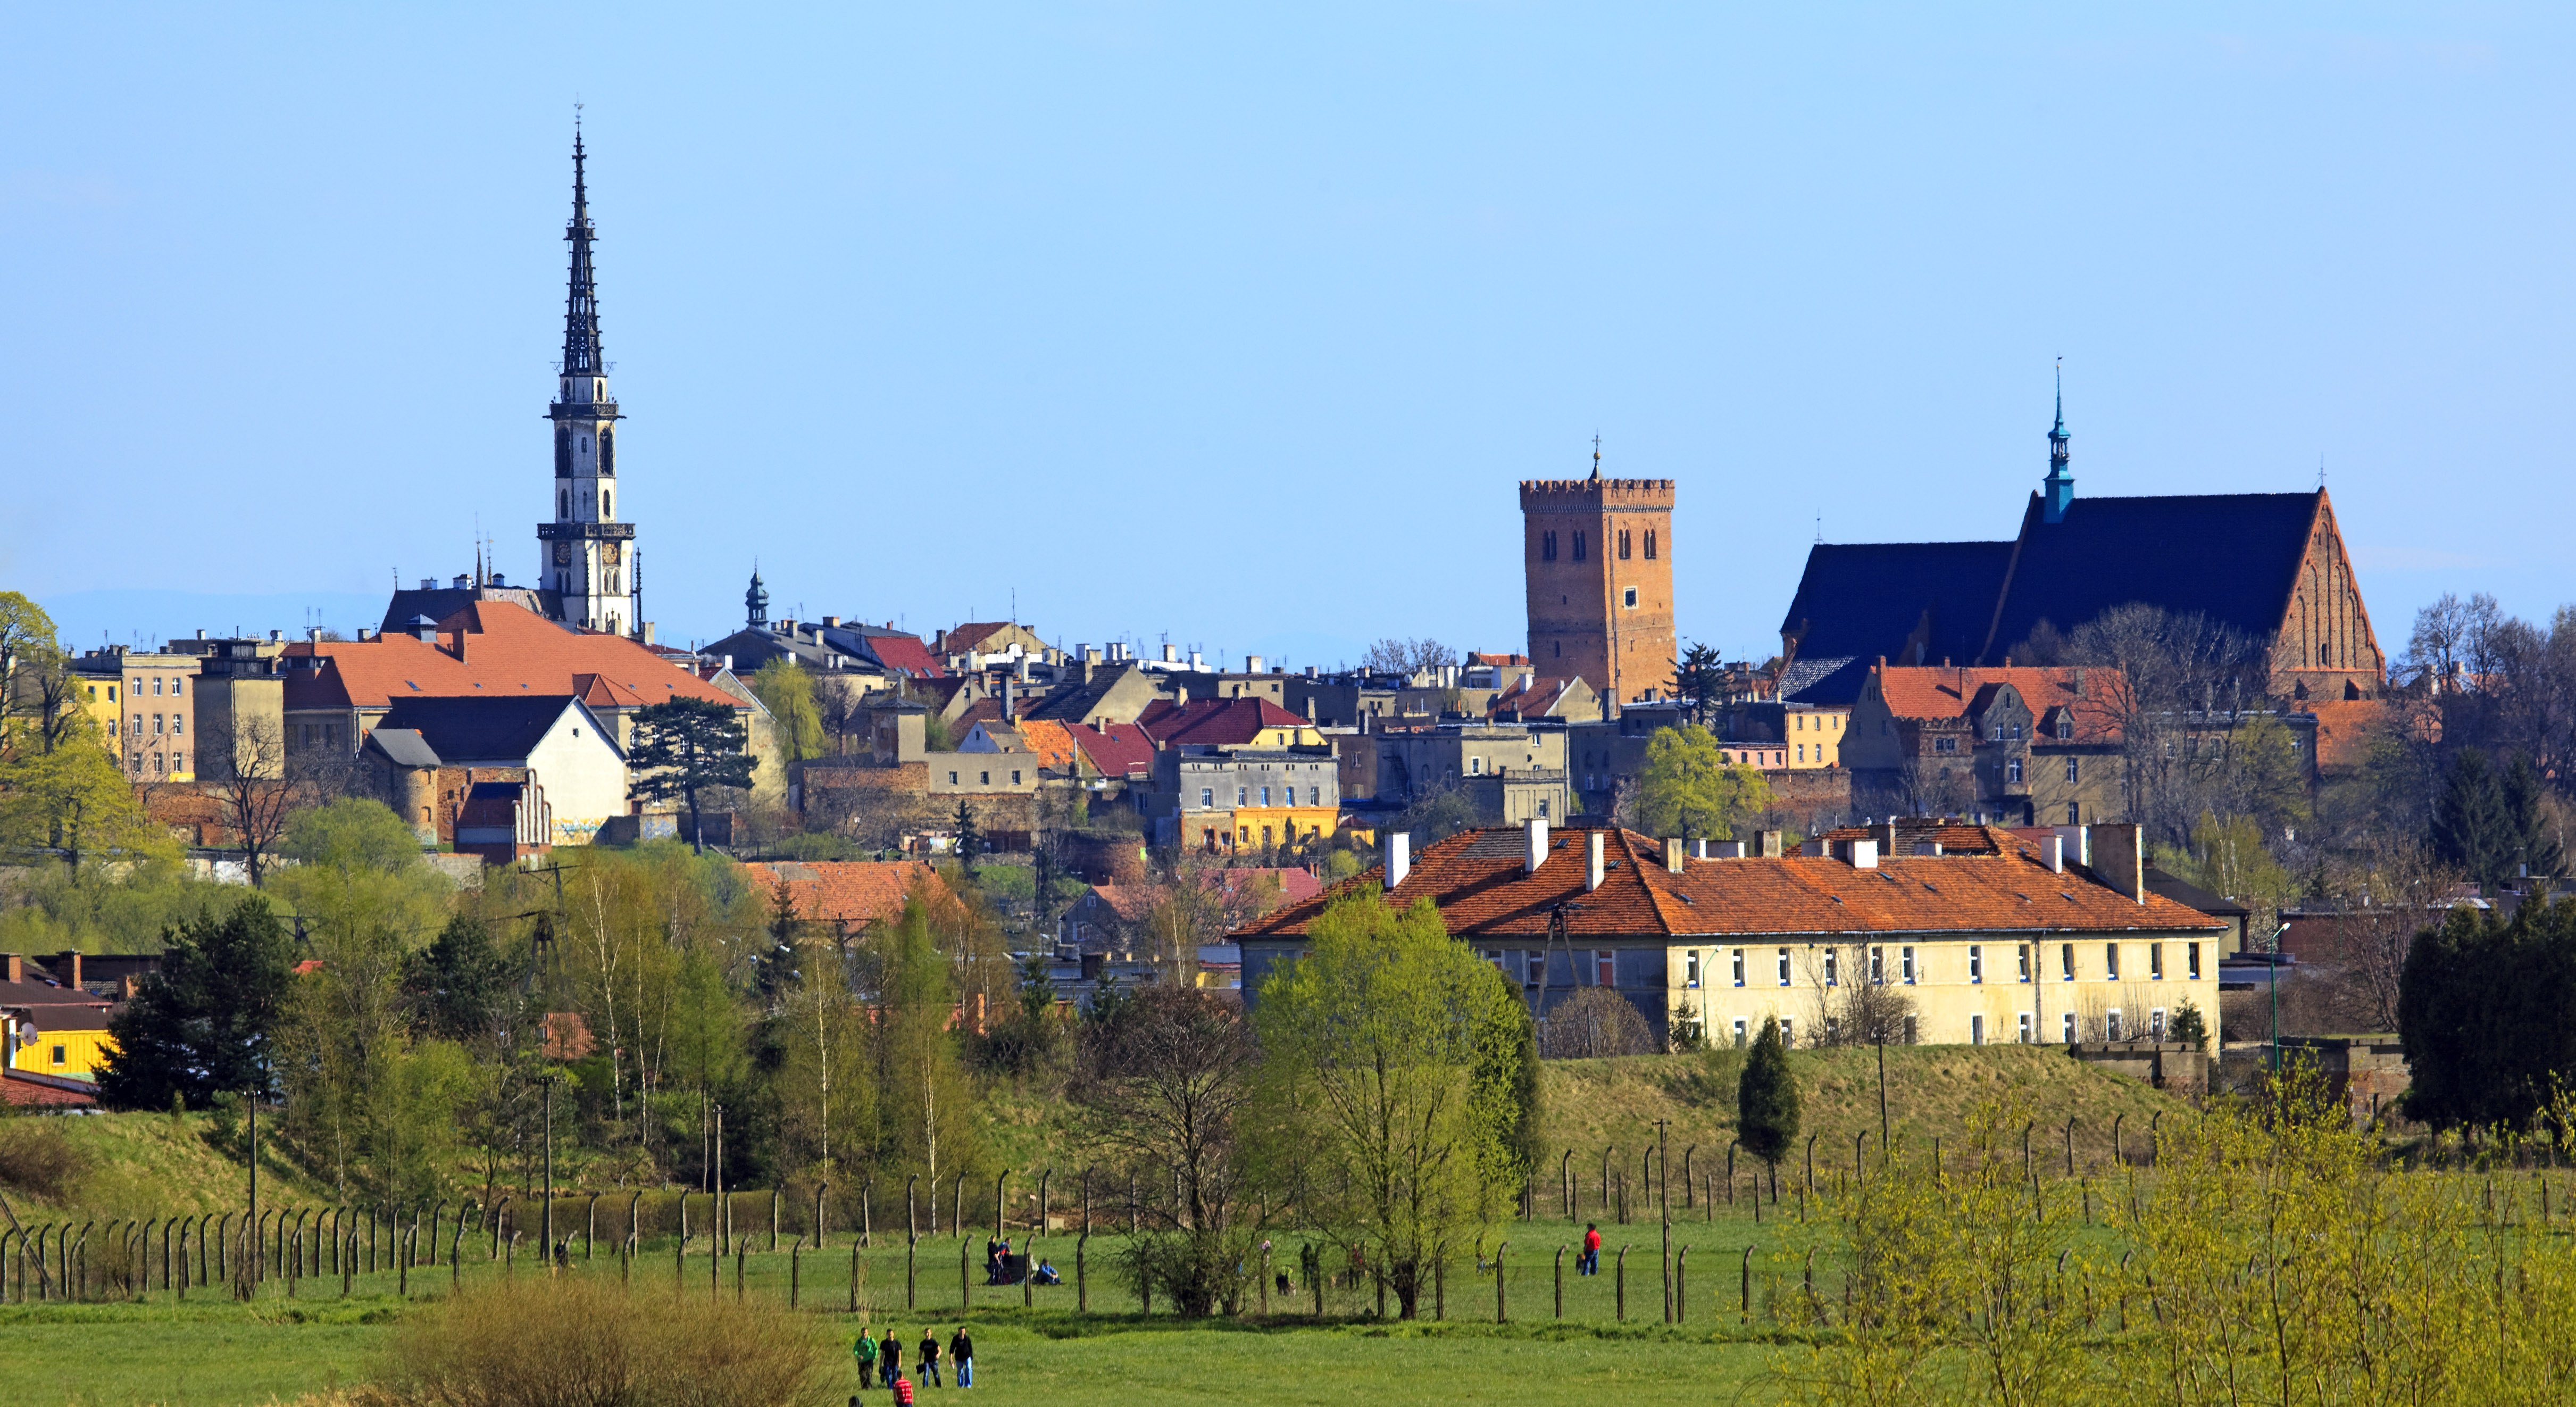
(507, 651)
(857, 892)
(1941, 691)
(1052, 745)
(1476, 880)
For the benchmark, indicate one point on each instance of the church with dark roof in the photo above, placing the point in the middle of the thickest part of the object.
(2270, 566)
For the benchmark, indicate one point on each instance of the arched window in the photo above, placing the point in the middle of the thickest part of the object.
(608, 449)
(1547, 547)
(1623, 544)
(1650, 544)
(563, 503)
(2325, 654)
(1578, 547)
(606, 499)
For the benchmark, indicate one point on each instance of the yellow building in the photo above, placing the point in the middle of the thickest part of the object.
(144, 702)
(50, 1029)
(1950, 935)
(1815, 736)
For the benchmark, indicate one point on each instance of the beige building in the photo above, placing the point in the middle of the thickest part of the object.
(1977, 937)
(146, 705)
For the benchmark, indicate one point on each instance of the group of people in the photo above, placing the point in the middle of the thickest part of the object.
(881, 1361)
(1001, 1269)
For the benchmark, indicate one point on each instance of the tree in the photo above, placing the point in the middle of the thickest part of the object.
(1371, 1044)
(205, 1023)
(2189, 1026)
(2471, 830)
(970, 836)
(1766, 1102)
(1391, 655)
(74, 800)
(687, 747)
(2482, 1015)
(1597, 1021)
(2519, 795)
(1699, 679)
(789, 693)
(257, 795)
(1688, 789)
(841, 706)
(1163, 1085)
(459, 986)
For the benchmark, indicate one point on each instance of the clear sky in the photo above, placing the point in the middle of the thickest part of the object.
(1237, 324)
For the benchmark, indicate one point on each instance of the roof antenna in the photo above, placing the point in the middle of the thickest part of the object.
(1820, 529)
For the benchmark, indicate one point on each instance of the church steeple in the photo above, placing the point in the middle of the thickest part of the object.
(588, 571)
(2057, 491)
(755, 603)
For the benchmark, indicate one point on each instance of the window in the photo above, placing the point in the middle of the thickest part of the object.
(2156, 1024)
(1833, 969)
(1739, 1033)
(2066, 963)
(1739, 978)
(1690, 968)
(952, 779)
(1542, 808)
(1315, 797)
(1631, 598)
(1207, 797)
(134, 761)
(1976, 962)
(2191, 954)
(1909, 1030)
(2023, 952)
(2111, 1024)
(1605, 970)
(2024, 1035)
(1623, 544)
(111, 693)
(156, 686)
(1945, 744)
(1976, 1030)
(1265, 796)
(2070, 1028)
(1878, 967)
(1788, 1036)
(983, 779)
(2012, 769)
(2071, 769)
(2155, 962)
(2111, 961)
(62, 1056)
(1015, 779)
(1578, 547)
(1650, 544)
(1905, 964)
(1784, 967)
(1833, 1029)
(156, 763)
(1547, 547)
(1475, 766)
(2074, 813)
(178, 762)
(1802, 752)
(1242, 796)
(156, 723)
(138, 724)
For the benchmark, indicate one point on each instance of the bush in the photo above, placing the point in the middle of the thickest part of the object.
(570, 1343)
(1597, 1021)
(36, 1159)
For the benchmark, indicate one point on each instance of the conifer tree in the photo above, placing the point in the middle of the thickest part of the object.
(1766, 1102)
(203, 1025)
(2536, 848)
(2470, 827)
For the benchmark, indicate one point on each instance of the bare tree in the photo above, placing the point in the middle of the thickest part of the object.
(1408, 657)
(1596, 1021)
(841, 702)
(2393, 891)
(257, 790)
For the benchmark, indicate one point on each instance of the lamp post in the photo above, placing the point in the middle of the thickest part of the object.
(548, 1220)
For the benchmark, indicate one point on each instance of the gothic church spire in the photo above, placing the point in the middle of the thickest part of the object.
(581, 355)
(2057, 491)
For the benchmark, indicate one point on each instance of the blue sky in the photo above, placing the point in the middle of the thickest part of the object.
(1238, 324)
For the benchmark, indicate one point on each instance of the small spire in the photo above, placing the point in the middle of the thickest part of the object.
(581, 305)
(2057, 491)
(1596, 454)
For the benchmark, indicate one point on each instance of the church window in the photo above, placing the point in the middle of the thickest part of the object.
(2325, 654)
(1623, 544)
(563, 451)
(1650, 544)
(1578, 547)
(605, 499)
(1556, 649)
(608, 450)
(563, 503)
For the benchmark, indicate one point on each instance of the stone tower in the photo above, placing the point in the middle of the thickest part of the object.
(589, 556)
(1598, 558)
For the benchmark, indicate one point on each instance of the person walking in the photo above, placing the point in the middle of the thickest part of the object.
(927, 1361)
(902, 1390)
(889, 1359)
(1591, 1262)
(864, 1349)
(961, 1356)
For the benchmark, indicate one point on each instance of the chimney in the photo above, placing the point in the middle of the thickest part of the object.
(831, 622)
(2071, 847)
(1310, 708)
(2119, 856)
(1673, 855)
(201, 632)
(313, 635)
(1194, 660)
(17, 968)
(1252, 664)
(74, 980)
(728, 664)
(1928, 847)
(1594, 866)
(2052, 853)
(429, 583)
(1171, 654)
(1529, 680)
(1864, 854)
(1537, 852)
(1399, 857)
(1768, 845)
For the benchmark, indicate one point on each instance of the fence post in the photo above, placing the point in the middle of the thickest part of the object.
(1746, 1289)
(1622, 1290)
(1681, 1287)
(1560, 1282)
(1502, 1310)
(965, 1286)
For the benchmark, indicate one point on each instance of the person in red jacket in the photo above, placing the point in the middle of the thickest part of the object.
(1590, 1261)
(902, 1389)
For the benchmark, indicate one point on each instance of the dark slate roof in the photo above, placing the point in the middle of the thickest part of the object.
(2230, 557)
(494, 730)
(1069, 702)
(404, 746)
(1858, 601)
(440, 602)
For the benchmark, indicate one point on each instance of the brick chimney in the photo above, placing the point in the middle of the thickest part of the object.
(17, 968)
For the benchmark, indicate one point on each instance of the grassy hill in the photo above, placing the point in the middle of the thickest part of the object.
(139, 1165)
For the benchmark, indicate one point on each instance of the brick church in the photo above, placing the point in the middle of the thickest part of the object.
(1597, 559)
(2271, 566)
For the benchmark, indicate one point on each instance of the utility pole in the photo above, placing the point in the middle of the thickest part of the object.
(1663, 1160)
(254, 1180)
(548, 1081)
(1878, 1028)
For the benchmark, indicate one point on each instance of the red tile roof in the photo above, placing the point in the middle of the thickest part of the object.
(1480, 657)
(1052, 744)
(1476, 880)
(1213, 722)
(28, 1089)
(1115, 749)
(2092, 695)
(507, 650)
(957, 640)
(907, 653)
(857, 892)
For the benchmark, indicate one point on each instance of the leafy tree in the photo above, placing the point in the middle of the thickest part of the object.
(205, 1023)
(1766, 1102)
(1688, 789)
(1507, 1091)
(687, 747)
(925, 1106)
(74, 800)
(2229, 858)
(1371, 1043)
(788, 691)
(2471, 830)
(1699, 678)
(352, 833)
(459, 986)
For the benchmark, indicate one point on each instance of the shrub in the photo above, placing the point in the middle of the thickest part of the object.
(1596, 1021)
(36, 1159)
(571, 1343)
